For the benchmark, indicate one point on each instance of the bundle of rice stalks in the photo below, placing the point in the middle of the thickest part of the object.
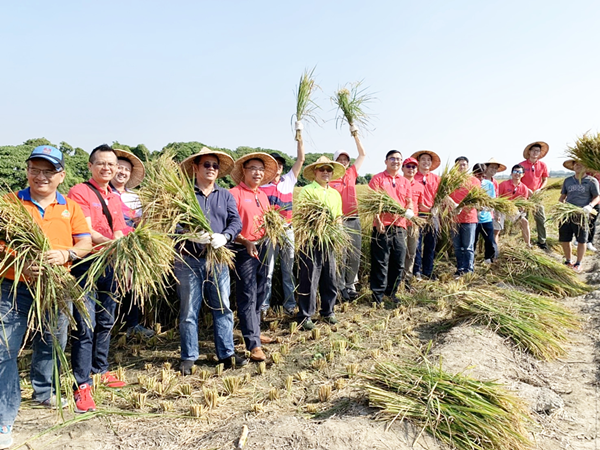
(460, 411)
(503, 205)
(534, 323)
(274, 227)
(169, 203)
(476, 198)
(316, 228)
(372, 203)
(142, 262)
(567, 212)
(525, 205)
(52, 288)
(351, 101)
(587, 151)
(305, 106)
(450, 180)
(539, 197)
(537, 272)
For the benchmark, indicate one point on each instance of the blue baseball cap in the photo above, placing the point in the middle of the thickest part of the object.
(51, 154)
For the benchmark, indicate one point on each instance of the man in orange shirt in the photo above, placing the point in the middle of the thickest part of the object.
(62, 221)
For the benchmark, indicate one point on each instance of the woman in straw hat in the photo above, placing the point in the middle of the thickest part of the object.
(196, 283)
(535, 178)
(492, 168)
(250, 172)
(579, 190)
(317, 270)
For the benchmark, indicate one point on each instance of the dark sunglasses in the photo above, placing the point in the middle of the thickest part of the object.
(410, 166)
(325, 169)
(209, 165)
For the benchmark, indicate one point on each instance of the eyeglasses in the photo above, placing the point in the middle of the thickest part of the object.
(46, 173)
(325, 169)
(255, 169)
(394, 159)
(210, 165)
(410, 166)
(124, 169)
(105, 164)
(517, 171)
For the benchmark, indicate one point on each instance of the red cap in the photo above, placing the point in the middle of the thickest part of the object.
(410, 161)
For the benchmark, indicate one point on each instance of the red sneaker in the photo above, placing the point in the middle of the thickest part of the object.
(83, 399)
(111, 381)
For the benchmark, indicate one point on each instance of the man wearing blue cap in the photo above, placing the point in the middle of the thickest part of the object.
(63, 222)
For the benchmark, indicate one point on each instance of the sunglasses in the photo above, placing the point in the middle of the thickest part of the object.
(410, 166)
(325, 169)
(210, 165)
(517, 171)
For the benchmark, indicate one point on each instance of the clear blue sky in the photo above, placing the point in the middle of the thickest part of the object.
(470, 78)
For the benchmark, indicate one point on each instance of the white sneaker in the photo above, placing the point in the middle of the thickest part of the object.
(591, 247)
(487, 261)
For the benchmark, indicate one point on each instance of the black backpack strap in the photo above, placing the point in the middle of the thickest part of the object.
(102, 202)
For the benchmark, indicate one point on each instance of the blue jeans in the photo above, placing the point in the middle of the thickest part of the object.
(486, 230)
(195, 286)
(463, 239)
(286, 251)
(13, 326)
(90, 346)
(425, 255)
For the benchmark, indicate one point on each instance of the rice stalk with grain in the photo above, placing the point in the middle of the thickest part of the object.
(375, 202)
(305, 105)
(587, 151)
(351, 101)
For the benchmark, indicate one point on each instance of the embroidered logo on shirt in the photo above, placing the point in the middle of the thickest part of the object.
(66, 214)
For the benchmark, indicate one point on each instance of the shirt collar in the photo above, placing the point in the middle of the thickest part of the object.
(109, 189)
(25, 194)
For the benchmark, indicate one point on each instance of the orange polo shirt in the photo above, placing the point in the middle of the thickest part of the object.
(251, 206)
(61, 221)
(430, 183)
(398, 188)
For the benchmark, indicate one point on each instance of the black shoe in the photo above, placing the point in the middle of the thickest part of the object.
(233, 361)
(352, 295)
(542, 245)
(186, 367)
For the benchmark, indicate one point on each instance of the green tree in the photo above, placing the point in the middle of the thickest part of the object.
(12, 166)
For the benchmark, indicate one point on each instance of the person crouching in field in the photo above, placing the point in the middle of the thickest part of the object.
(251, 268)
(317, 270)
(514, 189)
(63, 222)
(579, 190)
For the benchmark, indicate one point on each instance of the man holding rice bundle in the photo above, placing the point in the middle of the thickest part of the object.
(250, 172)
(409, 170)
(346, 186)
(316, 264)
(64, 224)
(280, 192)
(103, 211)
(388, 240)
(514, 189)
(197, 284)
(535, 178)
(428, 161)
(579, 190)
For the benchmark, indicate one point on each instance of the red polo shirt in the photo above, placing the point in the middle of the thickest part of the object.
(418, 190)
(398, 188)
(92, 208)
(346, 186)
(251, 206)
(508, 189)
(467, 215)
(534, 174)
(61, 222)
(430, 183)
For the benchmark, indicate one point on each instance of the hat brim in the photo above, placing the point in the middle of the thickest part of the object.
(225, 162)
(501, 167)
(270, 163)
(542, 144)
(138, 172)
(338, 170)
(435, 159)
(569, 163)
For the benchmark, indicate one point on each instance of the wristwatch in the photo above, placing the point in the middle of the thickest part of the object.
(73, 256)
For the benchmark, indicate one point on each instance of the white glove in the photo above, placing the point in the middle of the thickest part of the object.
(409, 214)
(218, 240)
(588, 209)
(434, 211)
(203, 238)
(299, 125)
(353, 128)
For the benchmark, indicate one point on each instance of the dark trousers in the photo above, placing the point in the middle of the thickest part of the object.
(593, 218)
(316, 272)
(251, 277)
(486, 230)
(388, 251)
(426, 251)
(89, 347)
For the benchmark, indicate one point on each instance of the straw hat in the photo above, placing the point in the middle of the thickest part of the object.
(138, 172)
(569, 163)
(544, 152)
(225, 162)
(435, 159)
(270, 167)
(501, 167)
(338, 169)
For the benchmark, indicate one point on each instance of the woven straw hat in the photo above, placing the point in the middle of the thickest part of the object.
(338, 169)
(542, 144)
(435, 159)
(138, 172)
(270, 167)
(569, 163)
(501, 167)
(225, 162)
